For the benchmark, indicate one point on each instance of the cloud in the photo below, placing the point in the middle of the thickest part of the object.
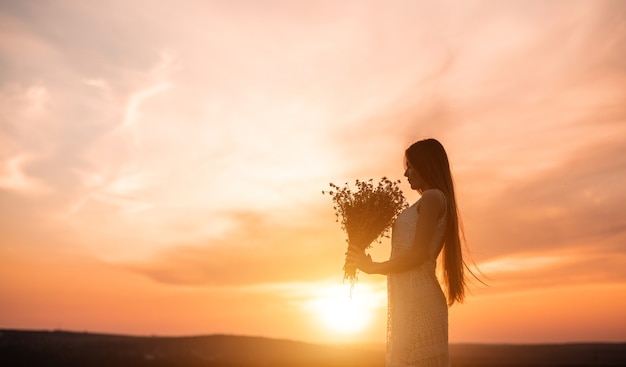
(579, 201)
(22, 138)
(551, 269)
(13, 178)
(255, 252)
(563, 226)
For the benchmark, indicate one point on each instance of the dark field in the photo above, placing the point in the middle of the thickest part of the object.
(58, 348)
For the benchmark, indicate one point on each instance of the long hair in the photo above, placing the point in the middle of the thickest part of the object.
(430, 160)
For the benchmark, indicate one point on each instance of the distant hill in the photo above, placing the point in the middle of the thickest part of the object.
(70, 349)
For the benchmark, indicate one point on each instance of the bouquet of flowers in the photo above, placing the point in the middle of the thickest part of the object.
(366, 214)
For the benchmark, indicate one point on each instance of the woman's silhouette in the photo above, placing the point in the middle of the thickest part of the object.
(417, 328)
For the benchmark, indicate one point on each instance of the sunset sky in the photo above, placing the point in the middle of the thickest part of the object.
(162, 162)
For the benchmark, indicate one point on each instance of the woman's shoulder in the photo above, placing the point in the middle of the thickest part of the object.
(434, 195)
(433, 199)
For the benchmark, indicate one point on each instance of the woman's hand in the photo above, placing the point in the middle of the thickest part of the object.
(357, 258)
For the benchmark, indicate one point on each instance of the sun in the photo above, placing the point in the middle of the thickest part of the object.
(340, 313)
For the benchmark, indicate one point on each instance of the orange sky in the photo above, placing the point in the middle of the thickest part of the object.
(161, 165)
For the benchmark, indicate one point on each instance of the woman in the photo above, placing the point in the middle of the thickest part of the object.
(417, 329)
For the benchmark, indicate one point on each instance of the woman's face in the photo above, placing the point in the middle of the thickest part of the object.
(415, 180)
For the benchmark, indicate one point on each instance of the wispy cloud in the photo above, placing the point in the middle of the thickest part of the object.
(160, 82)
(255, 251)
(13, 178)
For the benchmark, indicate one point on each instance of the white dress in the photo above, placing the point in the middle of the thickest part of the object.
(417, 323)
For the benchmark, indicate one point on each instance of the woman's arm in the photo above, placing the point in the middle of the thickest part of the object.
(432, 206)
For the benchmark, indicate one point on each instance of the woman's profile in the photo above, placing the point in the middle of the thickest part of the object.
(417, 328)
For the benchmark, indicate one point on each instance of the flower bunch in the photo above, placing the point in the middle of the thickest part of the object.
(367, 213)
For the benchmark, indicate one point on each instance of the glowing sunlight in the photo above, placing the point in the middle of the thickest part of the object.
(340, 313)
